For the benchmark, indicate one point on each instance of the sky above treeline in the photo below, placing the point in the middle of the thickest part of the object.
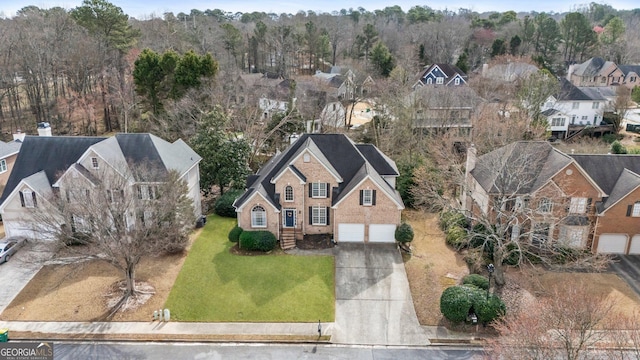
(143, 8)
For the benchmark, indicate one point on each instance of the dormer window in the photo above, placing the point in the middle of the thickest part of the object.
(306, 158)
(28, 198)
(94, 163)
(457, 81)
(429, 81)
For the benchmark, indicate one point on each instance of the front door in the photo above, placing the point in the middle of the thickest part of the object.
(289, 218)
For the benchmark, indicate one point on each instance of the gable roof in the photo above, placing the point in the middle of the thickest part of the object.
(626, 69)
(519, 168)
(340, 154)
(627, 181)
(51, 154)
(590, 67)
(55, 154)
(448, 69)
(570, 92)
(9, 148)
(605, 169)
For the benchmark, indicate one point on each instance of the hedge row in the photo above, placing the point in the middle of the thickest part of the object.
(234, 234)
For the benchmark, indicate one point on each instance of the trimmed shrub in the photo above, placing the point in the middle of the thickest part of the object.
(456, 237)
(452, 218)
(487, 311)
(257, 240)
(224, 204)
(404, 233)
(477, 280)
(455, 303)
(234, 234)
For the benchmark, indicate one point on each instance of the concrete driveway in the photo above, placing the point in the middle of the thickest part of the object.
(373, 301)
(19, 270)
(628, 268)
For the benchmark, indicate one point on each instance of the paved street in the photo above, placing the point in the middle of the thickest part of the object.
(373, 300)
(124, 351)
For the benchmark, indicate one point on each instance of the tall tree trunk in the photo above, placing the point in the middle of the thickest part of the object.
(130, 275)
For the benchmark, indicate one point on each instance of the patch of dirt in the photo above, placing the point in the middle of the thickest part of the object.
(144, 292)
(432, 266)
(75, 292)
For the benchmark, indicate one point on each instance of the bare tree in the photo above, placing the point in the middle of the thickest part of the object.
(519, 216)
(119, 215)
(620, 107)
(566, 324)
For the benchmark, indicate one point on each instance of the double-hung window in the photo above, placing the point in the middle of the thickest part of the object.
(318, 215)
(318, 190)
(578, 205)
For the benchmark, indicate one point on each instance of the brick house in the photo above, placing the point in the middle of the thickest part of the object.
(581, 201)
(324, 184)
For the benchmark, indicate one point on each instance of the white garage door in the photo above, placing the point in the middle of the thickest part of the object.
(612, 243)
(634, 249)
(350, 232)
(382, 233)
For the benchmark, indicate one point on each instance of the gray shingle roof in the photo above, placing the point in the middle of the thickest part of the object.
(627, 181)
(10, 148)
(605, 170)
(626, 69)
(590, 67)
(53, 155)
(519, 168)
(338, 150)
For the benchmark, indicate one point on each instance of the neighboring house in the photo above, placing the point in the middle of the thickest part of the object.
(44, 162)
(595, 72)
(8, 154)
(582, 201)
(581, 106)
(324, 184)
(444, 109)
(441, 74)
(631, 75)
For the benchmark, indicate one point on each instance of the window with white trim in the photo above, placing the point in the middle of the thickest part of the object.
(457, 81)
(94, 163)
(559, 121)
(595, 105)
(573, 236)
(367, 197)
(319, 215)
(636, 209)
(578, 205)
(28, 198)
(545, 206)
(3, 165)
(147, 192)
(288, 193)
(575, 105)
(429, 81)
(439, 80)
(318, 190)
(258, 217)
(115, 195)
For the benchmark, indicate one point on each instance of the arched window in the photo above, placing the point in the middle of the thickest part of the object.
(288, 193)
(258, 217)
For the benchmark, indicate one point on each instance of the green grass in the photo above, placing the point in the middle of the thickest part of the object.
(217, 286)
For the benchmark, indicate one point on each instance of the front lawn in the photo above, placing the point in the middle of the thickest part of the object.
(217, 286)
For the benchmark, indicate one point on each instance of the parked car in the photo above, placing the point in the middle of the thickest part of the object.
(8, 247)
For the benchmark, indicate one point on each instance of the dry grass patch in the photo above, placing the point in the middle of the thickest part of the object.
(432, 267)
(79, 292)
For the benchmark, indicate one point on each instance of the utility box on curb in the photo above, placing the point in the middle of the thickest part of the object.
(167, 315)
(4, 335)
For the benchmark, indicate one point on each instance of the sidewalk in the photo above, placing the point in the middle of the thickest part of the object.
(149, 331)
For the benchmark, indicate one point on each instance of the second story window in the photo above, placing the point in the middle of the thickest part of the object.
(545, 206)
(3, 165)
(28, 198)
(288, 193)
(575, 105)
(636, 209)
(578, 205)
(367, 197)
(595, 105)
(439, 80)
(319, 190)
(94, 163)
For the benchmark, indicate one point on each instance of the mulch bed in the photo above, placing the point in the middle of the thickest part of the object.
(315, 242)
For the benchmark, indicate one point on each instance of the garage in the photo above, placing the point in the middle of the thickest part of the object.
(612, 244)
(350, 232)
(634, 249)
(382, 233)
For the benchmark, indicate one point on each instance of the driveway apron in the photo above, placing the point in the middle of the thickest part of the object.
(373, 300)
